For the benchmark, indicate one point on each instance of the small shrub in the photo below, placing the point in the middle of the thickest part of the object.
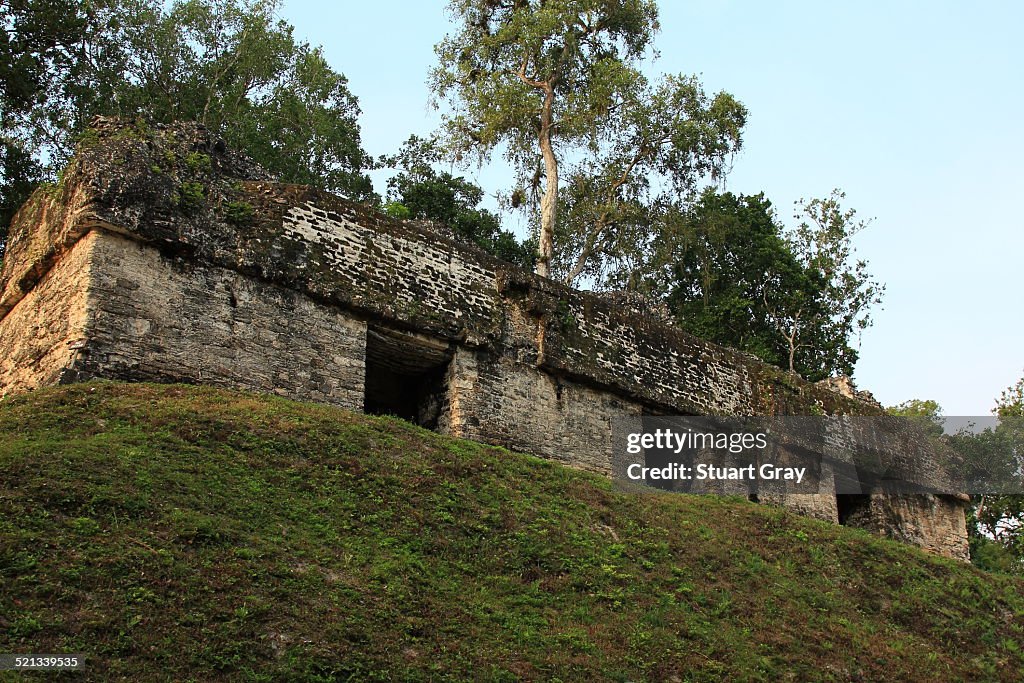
(197, 161)
(88, 138)
(238, 213)
(191, 196)
(397, 210)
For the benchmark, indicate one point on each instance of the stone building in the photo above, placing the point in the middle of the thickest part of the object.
(162, 256)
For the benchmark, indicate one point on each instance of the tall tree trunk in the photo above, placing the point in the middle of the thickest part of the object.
(549, 202)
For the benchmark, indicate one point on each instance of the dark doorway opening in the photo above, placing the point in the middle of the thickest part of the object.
(854, 508)
(406, 376)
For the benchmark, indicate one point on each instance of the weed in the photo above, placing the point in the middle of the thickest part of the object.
(191, 196)
(238, 213)
(198, 162)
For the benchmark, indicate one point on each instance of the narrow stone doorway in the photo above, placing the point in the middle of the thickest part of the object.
(853, 509)
(406, 375)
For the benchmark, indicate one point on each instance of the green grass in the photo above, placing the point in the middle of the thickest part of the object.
(182, 533)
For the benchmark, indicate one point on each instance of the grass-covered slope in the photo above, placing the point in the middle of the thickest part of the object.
(180, 533)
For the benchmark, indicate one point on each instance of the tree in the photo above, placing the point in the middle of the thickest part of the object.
(729, 273)
(40, 49)
(234, 67)
(659, 144)
(991, 461)
(927, 413)
(1001, 517)
(819, 320)
(228, 64)
(722, 257)
(19, 175)
(539, 75)
(420, 192)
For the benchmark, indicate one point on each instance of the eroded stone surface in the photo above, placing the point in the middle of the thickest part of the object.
(935, 523)
(40, 335)
(160, 318)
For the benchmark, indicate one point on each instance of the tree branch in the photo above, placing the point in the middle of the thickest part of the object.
(601, 223)
(521, 74)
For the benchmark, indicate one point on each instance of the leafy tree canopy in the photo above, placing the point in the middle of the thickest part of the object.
(557, 82)
(722, 256)
(1002, 517)
(820, 320)
(995, 455)
(618, 199)
(926, 412)
(229, 64)
(613, 165)
(38, 48)
(733, 274)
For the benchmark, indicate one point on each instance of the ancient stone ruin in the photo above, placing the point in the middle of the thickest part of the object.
(162, 256)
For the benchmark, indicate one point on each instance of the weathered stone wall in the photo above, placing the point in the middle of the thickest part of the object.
(499, 401)
(159, 318)
(38, 332)
(176, 260)
(935, 523)
(818, 505)
(339, 253)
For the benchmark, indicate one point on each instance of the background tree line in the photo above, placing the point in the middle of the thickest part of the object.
(618, 172)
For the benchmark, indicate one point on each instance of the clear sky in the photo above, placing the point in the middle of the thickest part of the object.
(914, 108)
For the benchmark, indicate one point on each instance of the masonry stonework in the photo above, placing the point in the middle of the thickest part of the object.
(126, 271)
(154, 318)
(37, 335)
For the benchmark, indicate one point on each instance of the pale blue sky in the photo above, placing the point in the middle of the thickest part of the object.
(912, 108)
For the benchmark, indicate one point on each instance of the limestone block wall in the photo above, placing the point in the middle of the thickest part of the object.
(496, 400)
(38, 332)
(660, 365)
(935, 523)
(157, 318)
(818, 505)
(392, 272)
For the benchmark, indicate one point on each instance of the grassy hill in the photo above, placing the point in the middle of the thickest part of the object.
(183, 533)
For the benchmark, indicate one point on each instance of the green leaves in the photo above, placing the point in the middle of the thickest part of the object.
(306, 129)
(795, 299)
(992, 460)
(237, 69)
(232, 65)
(734, 276)
(543, 76)
(655, 150)
(420, 192)
(558, 81)
(40, 53)
(819, 322)
(723, 257)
